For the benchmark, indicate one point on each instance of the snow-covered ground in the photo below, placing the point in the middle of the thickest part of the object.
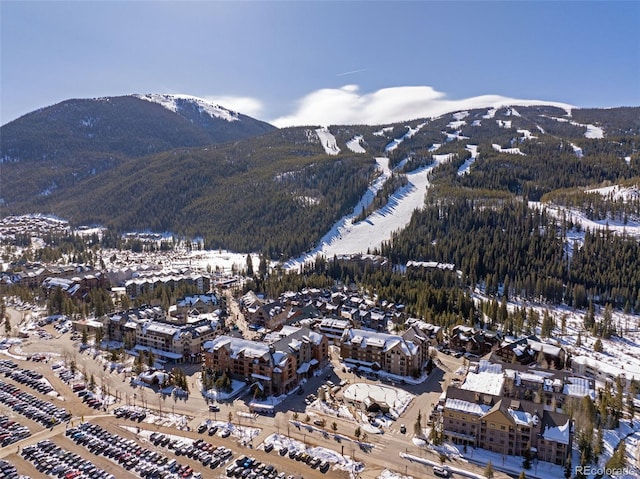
(328, 141)
(491, 113)
(618, 193)
(410, 132)
(577, 150)
(355, 145)
(511, 151)
(170, 102)
(631, 228)
(347, 237)
(466, 166)
(593, 131)
(526, 135)
(387, 474)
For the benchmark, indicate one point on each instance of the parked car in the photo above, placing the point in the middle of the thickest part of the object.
(440, 471)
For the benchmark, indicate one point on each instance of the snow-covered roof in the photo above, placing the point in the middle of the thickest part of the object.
(522, 418)
(335, 323)
(484, 382)
(153, 327)
(467, 407)
(238, 346)
(558, 434)
(579, 387)
(384, 341)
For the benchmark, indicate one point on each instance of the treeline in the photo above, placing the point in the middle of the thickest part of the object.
(277, 194)
(547, 167)
(598, 206)
(511, 248)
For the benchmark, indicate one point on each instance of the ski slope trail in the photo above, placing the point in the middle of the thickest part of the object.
(348, 238)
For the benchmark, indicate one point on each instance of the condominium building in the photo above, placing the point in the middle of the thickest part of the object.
(506, 426)
(276, 366)
(402, 355)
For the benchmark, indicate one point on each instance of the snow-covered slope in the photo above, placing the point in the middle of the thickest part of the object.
(172, 103)
(328, 141)
(347, 237)
(355, 144)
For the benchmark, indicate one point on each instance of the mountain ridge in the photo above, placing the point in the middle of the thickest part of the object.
(280, 191)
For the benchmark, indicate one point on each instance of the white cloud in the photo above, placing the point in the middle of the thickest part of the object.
(242, 104)
(347, 106)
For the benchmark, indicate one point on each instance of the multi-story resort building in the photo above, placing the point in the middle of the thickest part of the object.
(401, 355)
(514, 409)
(276, 367)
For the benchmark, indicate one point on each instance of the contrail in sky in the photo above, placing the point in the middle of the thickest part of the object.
(351, 72)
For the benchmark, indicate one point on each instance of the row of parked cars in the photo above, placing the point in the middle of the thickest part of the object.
(8, 470)
(206, 453)
(64, 373)
(28, 377)
(249, 468)
(302, 456)
(212, 429)
(32, 407)
(51, 459)
(127, 453)
(11, 431)
(32, 379)
(88, 396)
(128, 412)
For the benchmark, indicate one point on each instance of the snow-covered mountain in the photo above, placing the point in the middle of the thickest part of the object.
(242, 183)
(178, 103)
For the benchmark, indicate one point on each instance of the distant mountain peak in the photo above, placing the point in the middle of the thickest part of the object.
(175, 103)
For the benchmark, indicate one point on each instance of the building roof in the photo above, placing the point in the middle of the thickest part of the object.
(467, 407)
(238, 347)
(408, 342)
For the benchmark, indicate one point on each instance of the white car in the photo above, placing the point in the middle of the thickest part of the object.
(440, 471)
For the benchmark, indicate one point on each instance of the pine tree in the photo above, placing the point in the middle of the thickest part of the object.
(548, 324)
(249, 266)
(619, 458)
(589, 317)
(597, 346)
(488, 471)
(417, 426)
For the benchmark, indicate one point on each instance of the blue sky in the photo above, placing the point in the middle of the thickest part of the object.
(321, 62)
